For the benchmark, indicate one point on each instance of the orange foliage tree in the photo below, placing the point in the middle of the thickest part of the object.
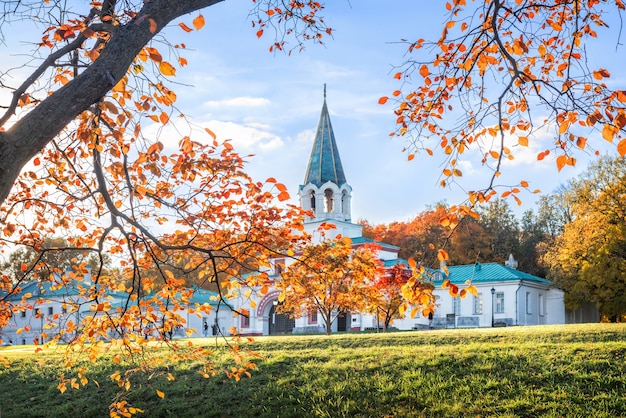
(388, 302)
(501, 73)
(331, 278)
(75, 163)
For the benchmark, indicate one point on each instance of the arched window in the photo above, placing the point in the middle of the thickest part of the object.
(344, 202)
(328, 200)
(312, 197)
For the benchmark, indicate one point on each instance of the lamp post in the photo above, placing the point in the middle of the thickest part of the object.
(493, 294)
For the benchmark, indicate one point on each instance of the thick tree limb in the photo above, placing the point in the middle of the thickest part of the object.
(35, 130)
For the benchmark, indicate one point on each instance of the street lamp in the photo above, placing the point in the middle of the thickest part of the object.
(493, 294)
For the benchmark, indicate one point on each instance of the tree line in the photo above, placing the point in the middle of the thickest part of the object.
(576, 237)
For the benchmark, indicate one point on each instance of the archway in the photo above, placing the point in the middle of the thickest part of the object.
(280, 323)
(343, 322)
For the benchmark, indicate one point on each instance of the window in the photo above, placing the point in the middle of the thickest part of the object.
(500, 302)
(64, 309)
(312, 197)
(245, 321)
(478, 304)
(50, 310)
(23, 314)
(313, 317)
(529, 308)
(456, 306)
(328, 200)
(541, 305)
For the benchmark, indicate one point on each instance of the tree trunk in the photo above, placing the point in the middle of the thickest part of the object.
(31, 133)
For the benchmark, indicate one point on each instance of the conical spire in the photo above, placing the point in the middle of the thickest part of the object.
(325, 164)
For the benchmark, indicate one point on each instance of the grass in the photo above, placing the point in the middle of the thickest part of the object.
(564, 371)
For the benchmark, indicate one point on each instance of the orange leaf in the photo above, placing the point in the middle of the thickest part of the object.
(185, 27)
(24, 266)
(524, 183)
(153, 25)
(621, 147)
(198, 22)
(383, 100)
(608, 132)
(424, 72)
(210, 132)
(523, 141)
(167, 69)
(621, 95)
(259, 33)
(160, 394)
(601, 73)
(560, 161)
(164, 118)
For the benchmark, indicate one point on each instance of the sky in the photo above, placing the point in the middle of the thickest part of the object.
(269, 104)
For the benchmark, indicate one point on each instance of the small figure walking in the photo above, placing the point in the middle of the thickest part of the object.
(205, 329)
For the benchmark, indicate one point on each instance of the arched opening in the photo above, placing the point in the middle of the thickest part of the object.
(328, 200)
(312, 201)
(280, 323)
(344, 202)
(343, 322)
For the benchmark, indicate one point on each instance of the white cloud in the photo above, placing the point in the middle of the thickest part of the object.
(238, 102)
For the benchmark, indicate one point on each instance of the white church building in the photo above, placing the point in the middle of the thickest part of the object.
(505, 297)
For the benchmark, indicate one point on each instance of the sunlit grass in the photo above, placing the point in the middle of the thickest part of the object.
(518, 371)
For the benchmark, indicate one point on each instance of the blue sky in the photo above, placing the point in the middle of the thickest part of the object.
(269, 104)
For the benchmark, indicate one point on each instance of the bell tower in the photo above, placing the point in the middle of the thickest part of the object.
(325, 192)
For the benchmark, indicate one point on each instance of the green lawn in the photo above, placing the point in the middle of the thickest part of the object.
(564, 371)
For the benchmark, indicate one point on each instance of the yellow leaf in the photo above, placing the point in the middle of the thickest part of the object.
(442, 255)
(198, 22)
(523, 141)
(160, 394)
(472, 289)
(167, 69)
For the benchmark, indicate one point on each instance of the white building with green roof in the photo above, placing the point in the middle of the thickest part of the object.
(506, 296)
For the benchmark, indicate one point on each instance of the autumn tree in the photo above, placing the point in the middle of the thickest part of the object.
(331, 278)
(500, 229)
(588, 259)
(501, 73)
(74, 156)
(388, 301)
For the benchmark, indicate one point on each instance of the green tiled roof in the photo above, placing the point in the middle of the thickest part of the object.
(395, 262)
(324, 163)
(363, 240)
(489, 272)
